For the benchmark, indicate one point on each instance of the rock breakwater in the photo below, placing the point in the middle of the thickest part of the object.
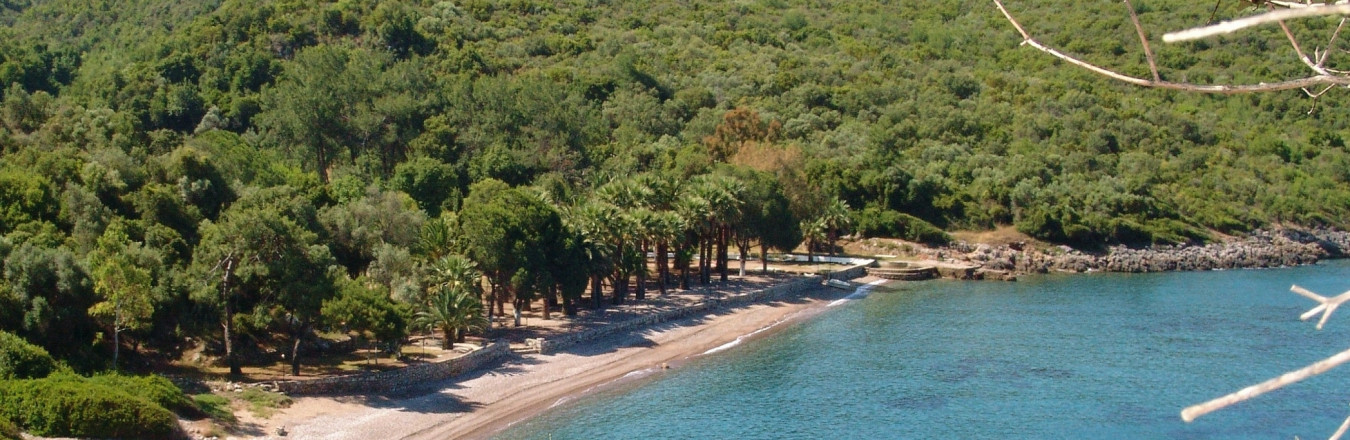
(1262, 248)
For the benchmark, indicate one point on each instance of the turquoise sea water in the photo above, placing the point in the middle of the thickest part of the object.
(1059, 356)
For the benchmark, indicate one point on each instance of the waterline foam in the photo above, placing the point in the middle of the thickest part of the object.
(742, 338)
(862, 292)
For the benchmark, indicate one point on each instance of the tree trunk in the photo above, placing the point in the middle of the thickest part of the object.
(117, 332)
(517, 304)
(569, 306)
(620, 281)
(709, 258)
(684, 269)
(117, 343)
(702, 261)
(596, 293)
(764, 257)
(295, 355)
(741, 245)
(662, 272)
(448, 335)
(321, 154)
(231, 357)
(722, 237)
(550, 300)
(501, 302)
(641, 292)
(833, 236)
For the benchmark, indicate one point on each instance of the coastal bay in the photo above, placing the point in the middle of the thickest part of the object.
(1103, 355)
(483, 402)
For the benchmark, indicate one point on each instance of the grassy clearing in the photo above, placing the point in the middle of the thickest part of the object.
(263, 403)
(216, 407)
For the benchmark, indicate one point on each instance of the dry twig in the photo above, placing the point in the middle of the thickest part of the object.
(1273, 16)
(1326, 306)
(1321, 77)
(1319, 367)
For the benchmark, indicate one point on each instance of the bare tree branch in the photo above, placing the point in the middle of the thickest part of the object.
(1319, 79)
(1326, 306)
(1341, 431)
(1228, 27)
(1331, 43)
(1143, 40)
(1303, 4)
(1319, 367)
(1299, 50)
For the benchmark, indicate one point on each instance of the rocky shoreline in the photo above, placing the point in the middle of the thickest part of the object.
(1260, 249)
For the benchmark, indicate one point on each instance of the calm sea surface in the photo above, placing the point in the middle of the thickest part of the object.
(1059, 356)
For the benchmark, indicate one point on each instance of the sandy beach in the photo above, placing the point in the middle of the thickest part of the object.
(484, 402)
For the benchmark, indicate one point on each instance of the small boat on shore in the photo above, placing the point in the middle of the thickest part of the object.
(839, 284)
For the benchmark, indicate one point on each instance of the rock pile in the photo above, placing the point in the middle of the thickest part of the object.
(1279, 248)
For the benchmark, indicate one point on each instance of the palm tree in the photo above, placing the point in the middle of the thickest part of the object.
(453, 302)
(668, 228)
(456, 311)
(834, 218)
(454, 272)
(665, 228)
(696, 212)
(723, 197)
(814, 232)
(625, 196)
(593, 221)
(646, 226)
(438, 237)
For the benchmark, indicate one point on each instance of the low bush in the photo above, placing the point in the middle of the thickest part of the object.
(264, 403)
(8, 430)
(70, 406)
(876, 222)
(22, 360)
(216, 407)
(155, 389)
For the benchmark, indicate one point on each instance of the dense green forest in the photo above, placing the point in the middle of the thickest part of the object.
(247, 172)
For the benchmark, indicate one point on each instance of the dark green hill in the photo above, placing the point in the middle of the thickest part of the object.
(929, 109)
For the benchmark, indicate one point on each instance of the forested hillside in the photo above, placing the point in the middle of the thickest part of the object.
(267, 168)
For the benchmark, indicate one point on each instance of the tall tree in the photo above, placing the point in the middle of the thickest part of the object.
(357, 228)
(367, 310)
(256, 260)
(766, 217)
(511, 234)
(122, 283)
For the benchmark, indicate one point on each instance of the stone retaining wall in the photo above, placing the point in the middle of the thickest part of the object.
(780, 291)
(405, 380)
(858, 271)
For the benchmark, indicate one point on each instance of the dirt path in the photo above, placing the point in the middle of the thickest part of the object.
(485, 402)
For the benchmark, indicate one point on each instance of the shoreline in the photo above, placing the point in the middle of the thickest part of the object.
(1286, 247)
(488, 401)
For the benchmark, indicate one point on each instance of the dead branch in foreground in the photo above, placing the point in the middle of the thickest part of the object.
(1326, 306)
(1321, 75)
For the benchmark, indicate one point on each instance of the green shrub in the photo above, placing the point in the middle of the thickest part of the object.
(876, 222)
(264, 403)
(70, 406)
(8, 430)
(216, 407)
(154, 389)
(22, 360)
